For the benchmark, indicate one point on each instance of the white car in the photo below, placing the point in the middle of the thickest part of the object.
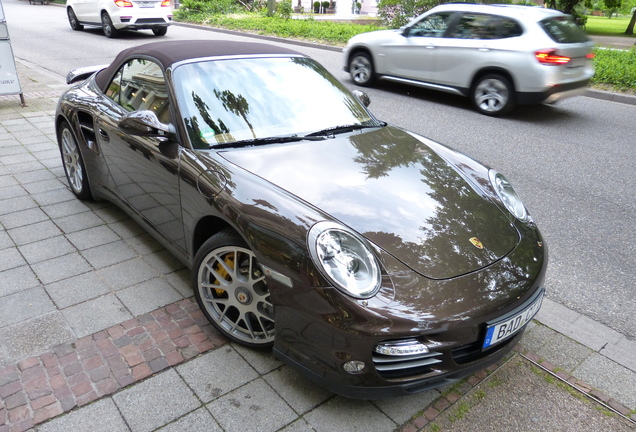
(498, 55)
(113, 16)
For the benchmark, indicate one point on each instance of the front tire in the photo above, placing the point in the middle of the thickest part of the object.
(107, 26)
(73, 21)
(73, 163)
(161, 31)
(361, 69)
(230, 289)
(492, 95)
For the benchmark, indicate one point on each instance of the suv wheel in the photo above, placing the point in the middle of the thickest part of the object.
(160, 31)
(361, 69)
(492, 95)
(107, 26)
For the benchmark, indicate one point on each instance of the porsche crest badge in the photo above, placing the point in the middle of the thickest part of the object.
(475, 241)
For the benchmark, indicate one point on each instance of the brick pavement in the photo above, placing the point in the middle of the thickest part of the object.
(74, 374)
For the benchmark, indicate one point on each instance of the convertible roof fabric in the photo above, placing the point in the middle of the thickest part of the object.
(171, 52)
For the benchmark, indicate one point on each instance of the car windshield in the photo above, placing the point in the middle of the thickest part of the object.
(563, 29)
(252, 100)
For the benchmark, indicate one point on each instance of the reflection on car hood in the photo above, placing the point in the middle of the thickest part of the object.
(395, 191)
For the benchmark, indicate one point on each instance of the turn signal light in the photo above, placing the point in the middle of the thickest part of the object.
(590, 56)
(123, 3)
(548, 57)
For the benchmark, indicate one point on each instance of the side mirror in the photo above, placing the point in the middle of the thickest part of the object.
(145, 123)
(362, 97)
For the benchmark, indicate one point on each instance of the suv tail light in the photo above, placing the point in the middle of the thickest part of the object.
(123, 3)
(549, 57)
(165, 3)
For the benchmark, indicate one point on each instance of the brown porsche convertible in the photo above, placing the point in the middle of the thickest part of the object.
(375, 261)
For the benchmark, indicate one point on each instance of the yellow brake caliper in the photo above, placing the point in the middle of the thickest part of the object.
(229, 260)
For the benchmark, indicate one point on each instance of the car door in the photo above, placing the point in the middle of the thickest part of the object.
(414, 56)
(145, 170)
(85, 10)
(473, 42)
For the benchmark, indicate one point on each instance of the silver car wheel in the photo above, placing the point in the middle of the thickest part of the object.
(492, 95)
(361, 69)
(233, 293)
(72, 162)
(107, 26)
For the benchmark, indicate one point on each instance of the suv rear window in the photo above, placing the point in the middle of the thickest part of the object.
(564, 30)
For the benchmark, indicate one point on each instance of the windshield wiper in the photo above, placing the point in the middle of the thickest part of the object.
(268, 140)
(343, 129)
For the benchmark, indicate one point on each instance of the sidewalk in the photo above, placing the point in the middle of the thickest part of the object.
(98, 331)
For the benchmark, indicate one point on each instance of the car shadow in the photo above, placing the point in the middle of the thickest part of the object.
(542, 113)
(146, 35)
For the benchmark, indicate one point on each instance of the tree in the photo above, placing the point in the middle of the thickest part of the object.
(612, 5)
(630, 26)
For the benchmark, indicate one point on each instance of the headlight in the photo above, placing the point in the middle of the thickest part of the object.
(508, 196)
(344, 259)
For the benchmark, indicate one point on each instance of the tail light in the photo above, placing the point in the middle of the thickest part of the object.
(123, 3)
(590, 56)
(165, 3)
(549, 57)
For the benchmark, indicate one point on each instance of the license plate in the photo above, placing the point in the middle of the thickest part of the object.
(147, 4)
(502, 330)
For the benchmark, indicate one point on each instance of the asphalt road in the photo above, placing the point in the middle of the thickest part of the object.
(572, 163)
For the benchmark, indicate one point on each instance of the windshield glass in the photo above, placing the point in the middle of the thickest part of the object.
(230, 100)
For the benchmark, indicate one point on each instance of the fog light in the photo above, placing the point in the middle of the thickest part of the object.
(401, 348)
(354, 366)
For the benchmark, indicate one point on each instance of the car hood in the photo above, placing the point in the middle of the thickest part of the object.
(395, 191)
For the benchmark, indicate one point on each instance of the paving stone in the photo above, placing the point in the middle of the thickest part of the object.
(127, 273)
(108, 254)
(34, 232)
(263, 361)
(78, 222)
(59, 268)
(155, 402)
(22, 218)
(216, 373)
(101, 416)
(14, 199)
(349, 415)
(255, 406)
(611, 378)
(32, 336)
(17, 279)
(76, 289)
(92, 237)
(555, 347)
(198, 420)
(24, 305)
(95, 315)
(42, 250)
(301, 394)
(164, 261)
(401, 409)
(10, 258)
(147, 296)
(66, 208)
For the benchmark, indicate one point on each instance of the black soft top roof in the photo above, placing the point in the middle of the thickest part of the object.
(171, 52)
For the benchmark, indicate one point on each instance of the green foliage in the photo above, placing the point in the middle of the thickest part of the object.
(208, 6)
(615, 68)
(325, 4)
(284, 9)
(330, 32)
(397, 13)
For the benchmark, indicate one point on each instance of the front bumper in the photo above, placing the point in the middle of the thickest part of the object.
(320, 330)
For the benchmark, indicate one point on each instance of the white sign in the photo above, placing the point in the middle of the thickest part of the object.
(9, 82)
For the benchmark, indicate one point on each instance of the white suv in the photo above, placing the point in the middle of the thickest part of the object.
(113, 16)
(497, 55)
